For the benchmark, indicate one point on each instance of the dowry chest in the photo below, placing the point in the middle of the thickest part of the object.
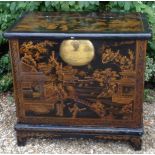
(79, 75)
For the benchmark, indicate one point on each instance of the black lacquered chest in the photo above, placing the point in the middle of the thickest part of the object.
(79, 75)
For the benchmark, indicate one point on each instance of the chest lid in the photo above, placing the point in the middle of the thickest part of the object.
(80, 25)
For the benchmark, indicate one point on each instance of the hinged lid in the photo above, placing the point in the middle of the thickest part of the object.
(80, 25)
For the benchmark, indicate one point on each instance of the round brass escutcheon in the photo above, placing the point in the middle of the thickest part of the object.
(77, 52)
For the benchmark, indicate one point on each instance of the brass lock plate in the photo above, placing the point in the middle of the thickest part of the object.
(77, 52)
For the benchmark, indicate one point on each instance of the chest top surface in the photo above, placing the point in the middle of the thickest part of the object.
(80, 24)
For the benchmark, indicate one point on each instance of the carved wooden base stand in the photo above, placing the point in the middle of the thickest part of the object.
(25, 131)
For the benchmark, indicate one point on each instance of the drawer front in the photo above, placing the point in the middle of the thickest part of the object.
(90, 82)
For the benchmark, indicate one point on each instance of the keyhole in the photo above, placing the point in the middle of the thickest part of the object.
(75, 45)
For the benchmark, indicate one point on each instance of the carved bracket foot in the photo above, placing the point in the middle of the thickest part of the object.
(136, 143)
(21, 141)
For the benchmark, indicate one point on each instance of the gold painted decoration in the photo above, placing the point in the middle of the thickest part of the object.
(67, 87)
(77, 22)
(125, 62)
(77, 52)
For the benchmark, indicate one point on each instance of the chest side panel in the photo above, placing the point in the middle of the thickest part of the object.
(102, 92)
